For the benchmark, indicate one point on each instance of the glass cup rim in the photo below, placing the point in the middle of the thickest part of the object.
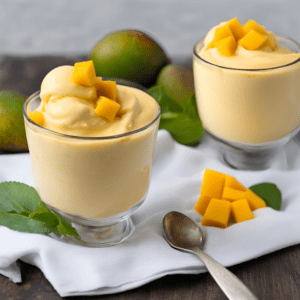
(248, 70)
(88, 138)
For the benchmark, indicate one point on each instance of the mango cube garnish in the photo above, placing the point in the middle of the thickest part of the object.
(221, 196)
(106, 88)
(233, 183)
(241, 210)
(84, 73)
(236, 28)
(202, 204)
(37, 117)
(252, 40)
(220, 33)
(217, 213)
(252, 25)
(255, 202)
(271, 41)
(226, 46)
(107, 108)
(231, 194)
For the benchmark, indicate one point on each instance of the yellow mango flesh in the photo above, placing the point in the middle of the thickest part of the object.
(220, 33)
(271, 41)
(217, 213)
(202, 204)
(37, 117)
(212, 184)
(84, 73)
(241, 210)
(236, 28)
(107, 108)
(252, 40)
(252, 25)
(217, 187)
(232, 194)
(226, 46)
(233, 183)
(107, 89)
(255, 202)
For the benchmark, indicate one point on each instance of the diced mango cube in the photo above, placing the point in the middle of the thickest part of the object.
(212, 184)
(226, 46)
(271, 41)
(217, 213)
(255, 201)
(202, 204)
(220, 33)
(232, 194)
(84, 73)
(107, 108)
(236, 28)
(37, 117)
(252, 25)
(106, 88)
(234, 183)
(241, 210)
(252, 40)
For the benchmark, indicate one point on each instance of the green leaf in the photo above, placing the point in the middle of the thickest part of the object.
(19, 197)
(43, 214)
(183, 129)
(166, 103)
(25, 224)
(182, 122)
(269, 193)
(66, 229)
(21, 209)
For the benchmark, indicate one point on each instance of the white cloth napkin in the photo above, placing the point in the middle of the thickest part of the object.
(146, 256)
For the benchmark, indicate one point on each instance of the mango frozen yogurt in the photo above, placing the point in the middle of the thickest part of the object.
(246, 83)
(91, 142)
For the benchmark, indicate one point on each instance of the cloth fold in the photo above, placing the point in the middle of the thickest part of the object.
(146, 256)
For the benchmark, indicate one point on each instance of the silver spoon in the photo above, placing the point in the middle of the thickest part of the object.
(184, 234)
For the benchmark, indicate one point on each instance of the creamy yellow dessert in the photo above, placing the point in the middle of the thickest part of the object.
(246, 83)
(92, 152)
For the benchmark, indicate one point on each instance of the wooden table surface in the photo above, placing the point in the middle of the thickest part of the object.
(275, 276)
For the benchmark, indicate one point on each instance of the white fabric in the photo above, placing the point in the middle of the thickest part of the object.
(146, 256)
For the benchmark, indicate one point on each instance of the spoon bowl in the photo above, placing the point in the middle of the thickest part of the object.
(183, 234)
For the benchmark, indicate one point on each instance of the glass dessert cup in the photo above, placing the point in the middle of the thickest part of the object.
(95, 183)
(250, 113)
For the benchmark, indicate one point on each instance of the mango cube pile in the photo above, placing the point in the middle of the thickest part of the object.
(250, 36)
(223, 196)
(105, 93)
(106, 106)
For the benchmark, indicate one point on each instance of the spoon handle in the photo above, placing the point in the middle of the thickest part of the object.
(231, 285)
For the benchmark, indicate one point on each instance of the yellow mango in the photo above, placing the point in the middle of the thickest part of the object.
(84, 73)
(255, 202)
(241, 210)
(234, 183)
(107, 108)
(252, 40)
(212, 184)
(37, 117)
(232, 194)
(217, 213)
(252, 25)
(226, 46)
(202, 204)
(220, 33)
(106, 88)
(271, 41)
(236, 28)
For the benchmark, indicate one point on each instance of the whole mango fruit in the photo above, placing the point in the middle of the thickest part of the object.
(12, 129)
(129, 54)
(178, 82)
